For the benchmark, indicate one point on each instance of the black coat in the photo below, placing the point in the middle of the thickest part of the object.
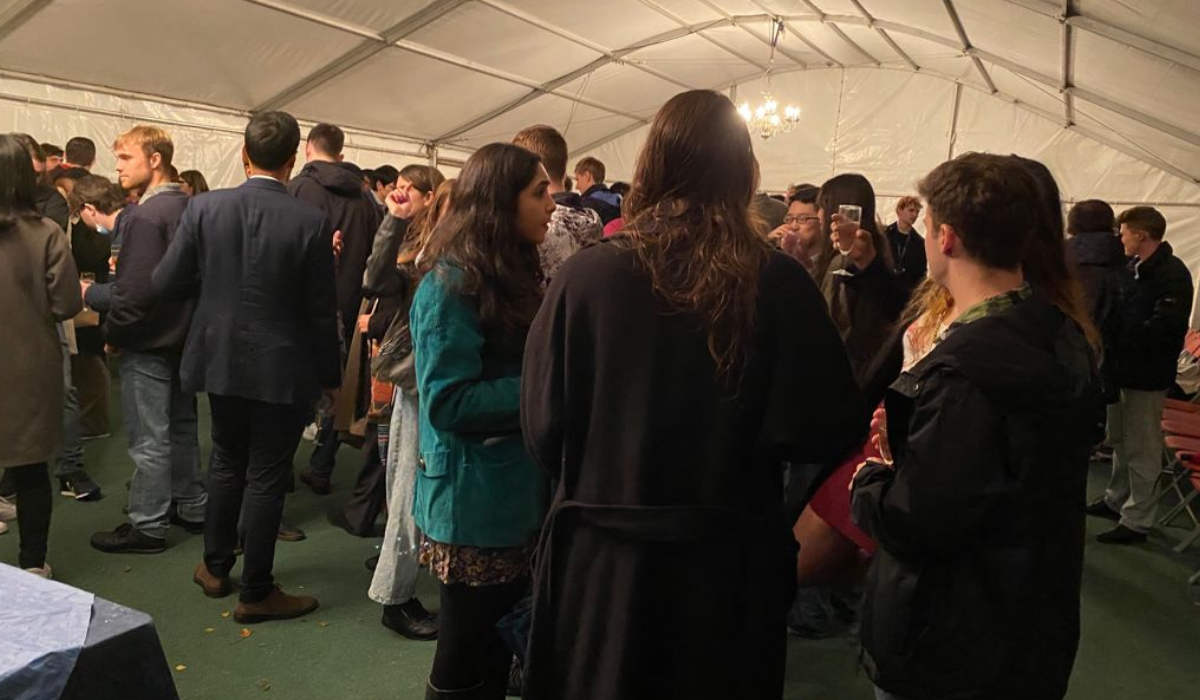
(260, 265)
(908, 255)
(138, 319)
(336, 189)
(666, 566)
(51, 204)
(1154, 320)
(973, 593)
(865, 306)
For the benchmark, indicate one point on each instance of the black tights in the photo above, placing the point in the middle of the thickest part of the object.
(469, 649)
(33, 512)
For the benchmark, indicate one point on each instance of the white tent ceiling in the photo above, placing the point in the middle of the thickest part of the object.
(1104, 91)
(1115, 71)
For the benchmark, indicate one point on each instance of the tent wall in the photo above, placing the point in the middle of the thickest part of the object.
(206, 139)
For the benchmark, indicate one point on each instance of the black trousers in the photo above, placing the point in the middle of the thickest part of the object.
(32, 482)
(370, 490)
(253, 443)
(470, 651)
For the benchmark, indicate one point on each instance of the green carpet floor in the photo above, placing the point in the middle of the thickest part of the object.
(1141, 621)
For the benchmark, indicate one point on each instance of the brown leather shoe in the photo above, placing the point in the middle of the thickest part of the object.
(276, 606)
(214, 586)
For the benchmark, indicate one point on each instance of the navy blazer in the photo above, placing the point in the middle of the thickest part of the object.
(260, 264)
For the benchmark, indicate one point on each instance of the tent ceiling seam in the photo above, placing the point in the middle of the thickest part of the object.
(884, 35)
(17, 15)
(373, 46)
(576, 39)
(1068, 61)
(683, 23)
(818, 16)
(742, 25)
(966, 43)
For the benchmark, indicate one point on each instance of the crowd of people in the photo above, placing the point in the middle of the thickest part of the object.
(635, 432)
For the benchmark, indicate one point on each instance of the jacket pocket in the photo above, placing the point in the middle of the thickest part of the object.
(434, 464)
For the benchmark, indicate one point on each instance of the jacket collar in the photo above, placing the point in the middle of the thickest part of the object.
(1152, 263)
(264, 183)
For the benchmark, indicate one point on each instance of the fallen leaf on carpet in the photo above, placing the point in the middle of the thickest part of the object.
(246, 632)
(181, 667)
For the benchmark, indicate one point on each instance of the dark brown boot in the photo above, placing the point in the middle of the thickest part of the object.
(276, 606)
(214, 586)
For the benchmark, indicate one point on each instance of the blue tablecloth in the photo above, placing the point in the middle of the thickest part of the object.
(60, 643)
(43, 627)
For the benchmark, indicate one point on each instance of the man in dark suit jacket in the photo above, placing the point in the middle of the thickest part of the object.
(263, 344)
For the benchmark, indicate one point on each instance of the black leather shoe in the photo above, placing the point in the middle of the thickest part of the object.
(126, 540)
(1121, 535)
(1101, 509)
(372, 562)
(411, 620)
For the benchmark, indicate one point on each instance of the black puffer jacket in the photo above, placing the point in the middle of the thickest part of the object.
(1154, 320)
(974, 591)
(336, 189)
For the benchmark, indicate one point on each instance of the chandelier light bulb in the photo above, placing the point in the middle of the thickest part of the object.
(767, 119)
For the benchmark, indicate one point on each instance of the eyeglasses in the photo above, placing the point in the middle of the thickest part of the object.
(801, 219)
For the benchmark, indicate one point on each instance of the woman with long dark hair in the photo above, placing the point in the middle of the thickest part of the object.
(670, 372)
(40, 286)
(865, 300)
(479, 498)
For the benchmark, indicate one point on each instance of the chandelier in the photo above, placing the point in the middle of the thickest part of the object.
(765, 119)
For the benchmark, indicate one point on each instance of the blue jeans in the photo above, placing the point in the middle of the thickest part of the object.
(70, 459)
(161, 421)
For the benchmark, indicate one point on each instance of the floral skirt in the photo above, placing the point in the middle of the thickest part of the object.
(476, 566)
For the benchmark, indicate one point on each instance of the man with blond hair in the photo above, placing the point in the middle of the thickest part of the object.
(160, 417)
(908, 247)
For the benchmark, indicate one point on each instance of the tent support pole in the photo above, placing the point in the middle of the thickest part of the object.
(958, 88)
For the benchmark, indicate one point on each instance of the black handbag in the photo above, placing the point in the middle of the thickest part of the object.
(394, 363)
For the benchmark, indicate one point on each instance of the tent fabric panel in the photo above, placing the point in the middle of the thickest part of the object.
(929, 15)
(873, 44)
(1172, 22)
(694, 61)
(689, 11)
(377, 15)
(579, 124)
(1084, 167)
(1030, 92)
(829, 42)
(619, 85)
(614, 24)
(992, 26)
(372, 95)
(754, 48)
(1140, 138)
(1129, 76)
(894, 126)
(481, 34)
(619, 155)
(176, 57)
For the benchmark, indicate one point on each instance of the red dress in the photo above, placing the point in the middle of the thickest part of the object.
(832, 500)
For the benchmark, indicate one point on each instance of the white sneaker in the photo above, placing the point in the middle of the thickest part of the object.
(3, 527)
(43, 571)
(8, 509)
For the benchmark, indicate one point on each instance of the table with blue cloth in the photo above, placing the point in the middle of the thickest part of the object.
(61, 643)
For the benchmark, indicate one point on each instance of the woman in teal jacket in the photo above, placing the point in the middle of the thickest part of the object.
(479, 498)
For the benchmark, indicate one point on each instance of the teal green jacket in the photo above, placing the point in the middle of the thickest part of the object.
(475, 483)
